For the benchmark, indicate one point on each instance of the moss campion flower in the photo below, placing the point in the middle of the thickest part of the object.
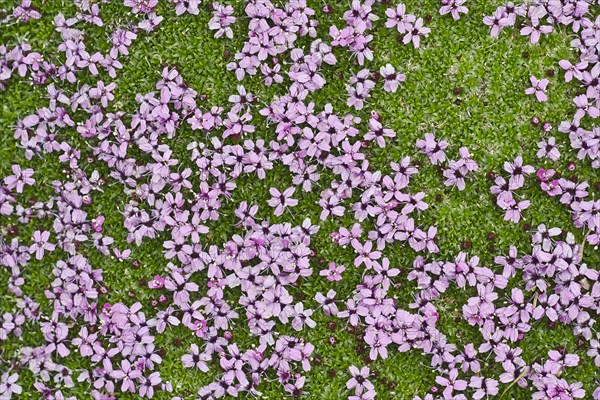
(538, 87)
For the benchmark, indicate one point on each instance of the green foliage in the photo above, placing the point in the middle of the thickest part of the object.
(492, 119)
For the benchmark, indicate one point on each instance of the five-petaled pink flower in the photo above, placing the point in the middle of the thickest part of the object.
(333, 272)
(538, 87)
(281, 200)
(41, 244)
(19, 178)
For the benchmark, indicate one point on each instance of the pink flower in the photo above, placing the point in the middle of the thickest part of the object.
(451, 383)
(414, 31)
(366, 254)
(399, 19)
(41, 244)
(497, 21)
(281, 200)
(548, 149)
(195, 359)
(156, 283)
(535, 30)
(513, 209)
(334, 272)
(360, 380)
(98, 223)
(9, 386)
(538, 87)
(19, 179)
(301, 317)
(432, 148)
(552, 188)
(518, 171)
(544, 175)
(391, 78)
(454, 8)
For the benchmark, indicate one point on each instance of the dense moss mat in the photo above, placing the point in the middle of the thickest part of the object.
(490, 114)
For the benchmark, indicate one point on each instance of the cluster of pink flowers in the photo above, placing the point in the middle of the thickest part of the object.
(360, 85)
(408, 25)
(222, 20)
(557, 286)
(587, 72)
(23, 12)
(534, 14)
(174, 200)
(504, 190)
(457, 170)
(354, 36)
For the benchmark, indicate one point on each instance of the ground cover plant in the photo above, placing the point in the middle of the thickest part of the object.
(292, 199)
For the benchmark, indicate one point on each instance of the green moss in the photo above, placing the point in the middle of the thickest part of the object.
(492, 120)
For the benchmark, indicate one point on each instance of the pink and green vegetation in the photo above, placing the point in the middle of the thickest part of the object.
(299, 199)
